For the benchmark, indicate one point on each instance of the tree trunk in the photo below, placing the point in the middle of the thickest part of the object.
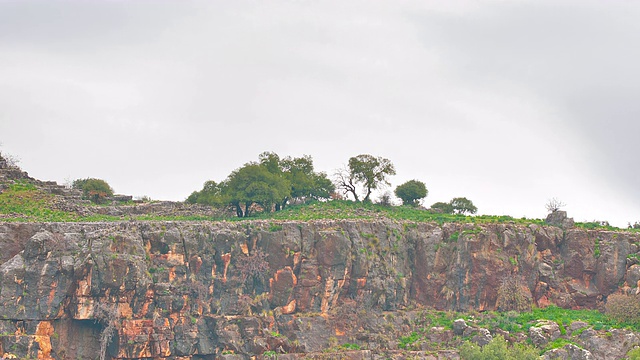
(238, 209)
(355, 195)
(366, 198)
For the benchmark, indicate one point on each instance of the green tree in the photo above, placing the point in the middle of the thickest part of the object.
(370, 171)
(463, 205)
(305, 182)
(254, 184)
(411, 192)
(271, 183)
(211, 194)
(299, 172)
(96, 190)
(498, 349)
(442, 207)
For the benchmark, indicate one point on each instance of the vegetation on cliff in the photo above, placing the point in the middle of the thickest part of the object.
(259, 263)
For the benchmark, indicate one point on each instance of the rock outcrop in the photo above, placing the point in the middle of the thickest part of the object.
(205, 290)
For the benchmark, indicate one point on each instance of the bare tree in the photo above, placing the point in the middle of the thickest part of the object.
(345, 181)
(8, 160)
(554, 205)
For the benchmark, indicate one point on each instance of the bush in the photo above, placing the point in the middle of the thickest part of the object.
(385, 199)
(253, 266)
(513, 295)
(442, 208)
(498, 349)
(634, 354)
(623, 308)
(96, 190)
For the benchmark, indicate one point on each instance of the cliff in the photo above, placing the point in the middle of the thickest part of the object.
(182, 290)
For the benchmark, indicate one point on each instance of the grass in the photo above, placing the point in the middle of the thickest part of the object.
(511, 321)
(343, 209)
(514, 322)
(23, 202)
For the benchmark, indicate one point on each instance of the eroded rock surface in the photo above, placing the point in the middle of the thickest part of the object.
(181, 290)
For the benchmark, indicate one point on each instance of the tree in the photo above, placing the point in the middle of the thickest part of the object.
(411, 192)
(305, 182)
(211, 194)
(8, 161)
(346, 182)
(370, 171)
(270, 183)
(442, 207)
(254, 184)
(463, 205)
(95, 190)
(299, 172)
(459, 205)
(554, 205)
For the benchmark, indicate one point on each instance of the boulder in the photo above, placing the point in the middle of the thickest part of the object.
(544, 332)
(459, 326)
(559, 218)
(568, 352)
(483, 337)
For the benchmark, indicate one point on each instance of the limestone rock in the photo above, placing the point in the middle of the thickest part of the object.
(459, 326)
(568, 352)
(544, 332)
(176, 289)
(483, 337)
(559, 218)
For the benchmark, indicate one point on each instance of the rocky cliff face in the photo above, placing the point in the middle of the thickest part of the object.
(182, 290)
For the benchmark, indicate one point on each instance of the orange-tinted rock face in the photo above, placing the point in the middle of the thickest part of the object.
(173, 290)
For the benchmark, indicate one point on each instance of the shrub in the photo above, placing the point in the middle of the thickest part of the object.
(498, 349)
(96, 190)
(385, 199)
(253, 266)
(623, 308)
(513, 295)
(634, 354)
(554, 205)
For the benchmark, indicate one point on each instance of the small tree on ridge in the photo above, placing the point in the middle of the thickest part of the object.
(411, 192)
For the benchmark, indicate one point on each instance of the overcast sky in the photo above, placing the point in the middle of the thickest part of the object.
(508, 103)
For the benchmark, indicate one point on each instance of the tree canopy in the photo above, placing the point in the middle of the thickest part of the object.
(254, 184)
(270, 183)
(369, 171)
(462, 205)
(411, 192)
(459, 205)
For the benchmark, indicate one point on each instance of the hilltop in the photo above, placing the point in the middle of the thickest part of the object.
(23, 198)
(334, 279)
